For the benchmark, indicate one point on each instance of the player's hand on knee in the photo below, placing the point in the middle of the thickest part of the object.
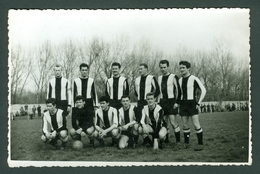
(53, 134)
(104, 133)
(125, 127)
(175, 106)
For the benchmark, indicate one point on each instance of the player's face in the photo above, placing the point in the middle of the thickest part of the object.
(184, 70)
(80, 103)
(125, 102)
(104, 105)
(164, 68)
(57, 71)
(51, 107)
(142, 70)
(150, 100)
(84, 71)
(115, 70)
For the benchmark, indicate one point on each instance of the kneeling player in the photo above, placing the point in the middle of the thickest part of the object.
(82, 121)
(128, 124)
(57, 121)
(152, 122)
(106, 122)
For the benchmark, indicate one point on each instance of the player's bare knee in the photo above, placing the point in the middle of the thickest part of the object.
(90, 131)
(115, 133)
(72, 132)
(63, 134)
(95, 134)
(121, 145)
(136, 127)
(140, 130)
(44, 138)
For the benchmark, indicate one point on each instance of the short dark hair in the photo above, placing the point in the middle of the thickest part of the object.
(164, 62)
(83, 65)
(51, 100)
(125, 96)
(150, 94)
(79, 97)
(185, 63)
(104, 98)
(116, 64)
(144, 65)
(57, 65)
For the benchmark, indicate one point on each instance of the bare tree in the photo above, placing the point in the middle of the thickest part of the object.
(42, 69)
(20, 71)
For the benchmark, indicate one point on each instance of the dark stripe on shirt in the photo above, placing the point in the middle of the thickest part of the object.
(58, 89)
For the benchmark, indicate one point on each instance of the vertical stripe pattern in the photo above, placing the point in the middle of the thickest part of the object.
(63, 89)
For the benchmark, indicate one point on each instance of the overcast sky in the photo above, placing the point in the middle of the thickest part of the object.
(166, 30)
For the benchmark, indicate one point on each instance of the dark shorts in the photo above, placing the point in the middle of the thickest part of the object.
(188, 108)
(167, 106)
(140, 106)
(115, 104)
(89, 104)
(62, 104)
(128, 132)
(87, 126)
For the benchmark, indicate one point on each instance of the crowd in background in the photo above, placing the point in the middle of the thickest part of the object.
(229, 106)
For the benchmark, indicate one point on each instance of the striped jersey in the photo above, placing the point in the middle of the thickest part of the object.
(169, 86)
(85, 88)
(106, 118)
(59, 88)
(189, 85)
(116, 87)
(127, 116)
(144, 85)
(54, 122)
(152, 117)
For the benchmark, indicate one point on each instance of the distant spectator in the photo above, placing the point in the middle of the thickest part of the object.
(33, 110)
(204, 108)
(212, 107)
(208, 108)
(233, 107)
(39, 110)
(21, 111)
(26, 108)
(30, 114)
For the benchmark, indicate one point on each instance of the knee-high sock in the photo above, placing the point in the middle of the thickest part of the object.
(177, 133)
(186, 135)
(199, 133)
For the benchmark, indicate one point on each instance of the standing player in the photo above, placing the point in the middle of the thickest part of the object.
(56, 119)
(128, 124)
(116, 87)
(152, 122)
(106, 122)
(169, 91)
(59, 88)
(82, 121)
(85, 87)
(144, 84)
(189, 105)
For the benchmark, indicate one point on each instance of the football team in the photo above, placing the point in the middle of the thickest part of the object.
(159, 102)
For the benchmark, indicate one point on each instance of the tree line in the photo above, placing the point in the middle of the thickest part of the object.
(225, 77)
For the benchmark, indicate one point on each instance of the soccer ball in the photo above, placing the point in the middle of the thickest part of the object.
(77, 145)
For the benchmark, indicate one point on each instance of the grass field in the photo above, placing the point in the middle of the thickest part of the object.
(226, 139)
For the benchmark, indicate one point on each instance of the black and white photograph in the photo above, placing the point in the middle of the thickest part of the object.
(129, 87)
